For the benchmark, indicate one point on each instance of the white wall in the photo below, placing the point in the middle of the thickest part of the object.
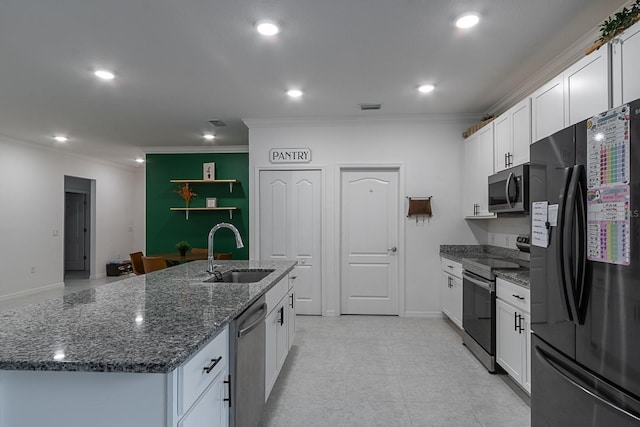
(500, 231)
(32, 211)
(430, 151)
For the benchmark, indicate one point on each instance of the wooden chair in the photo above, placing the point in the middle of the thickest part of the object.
(153, 263)
(223, 255)
(136, 262)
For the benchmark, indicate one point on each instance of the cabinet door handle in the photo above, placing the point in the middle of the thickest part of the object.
(515, 321)
(228, 383)
(517, 296)
(506, 159)
(292, 299)
(210, 366)
(520, 328)
(281, 319)
(293, 277)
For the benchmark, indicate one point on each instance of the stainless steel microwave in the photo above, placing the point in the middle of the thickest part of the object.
(509, 190)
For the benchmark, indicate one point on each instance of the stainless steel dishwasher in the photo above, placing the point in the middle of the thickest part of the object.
(247, 351)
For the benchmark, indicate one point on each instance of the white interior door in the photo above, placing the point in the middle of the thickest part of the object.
(369, 242)
(290, 228)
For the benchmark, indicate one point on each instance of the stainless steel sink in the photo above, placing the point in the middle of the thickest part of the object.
(240, 276)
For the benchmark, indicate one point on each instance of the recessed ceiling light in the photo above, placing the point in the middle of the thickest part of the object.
(139, 160)
(61, 138)
(104, 74)
(267, 28)
(209, 136)
(294, 93)
(467, 20)
(426, 88)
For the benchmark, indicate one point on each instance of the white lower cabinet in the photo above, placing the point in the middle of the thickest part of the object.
(513, 334)
(280, 329)
(451, 290)
(192, 395)
(210, 409)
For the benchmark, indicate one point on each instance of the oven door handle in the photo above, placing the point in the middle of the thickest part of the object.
(483, 285)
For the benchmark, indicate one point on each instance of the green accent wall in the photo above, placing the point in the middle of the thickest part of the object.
(165, 228)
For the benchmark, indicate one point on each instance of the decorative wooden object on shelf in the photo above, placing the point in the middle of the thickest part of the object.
(475, 128)
(186, 183)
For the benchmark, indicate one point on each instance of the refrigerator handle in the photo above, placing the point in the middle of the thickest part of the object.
(563, 237)
(574, 379)
(582, 280)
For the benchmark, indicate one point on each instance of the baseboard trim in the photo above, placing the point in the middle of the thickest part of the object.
(59, 285)
(425, 314)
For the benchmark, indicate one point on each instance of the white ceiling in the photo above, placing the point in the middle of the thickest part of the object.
(181, 63)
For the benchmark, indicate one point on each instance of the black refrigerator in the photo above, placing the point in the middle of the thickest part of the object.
(585, 273)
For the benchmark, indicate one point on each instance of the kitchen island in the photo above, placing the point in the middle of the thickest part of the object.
(112, 355)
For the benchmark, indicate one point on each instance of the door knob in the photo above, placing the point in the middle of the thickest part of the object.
(393, 249)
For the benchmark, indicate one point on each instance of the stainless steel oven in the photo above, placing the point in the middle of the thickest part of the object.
(479, 317)
(509, 190)
(479, 306)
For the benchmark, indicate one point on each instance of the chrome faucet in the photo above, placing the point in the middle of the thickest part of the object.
(215, 228)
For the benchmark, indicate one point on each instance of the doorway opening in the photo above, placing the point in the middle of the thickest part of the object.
(78, 197)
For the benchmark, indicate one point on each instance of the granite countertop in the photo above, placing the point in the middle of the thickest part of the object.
(149, 323)
(519, 276)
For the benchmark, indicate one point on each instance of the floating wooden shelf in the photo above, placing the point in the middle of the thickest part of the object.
(203, 181)
(187, 210)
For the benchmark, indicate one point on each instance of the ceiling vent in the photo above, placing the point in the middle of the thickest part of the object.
(369, 107)
(217, 123)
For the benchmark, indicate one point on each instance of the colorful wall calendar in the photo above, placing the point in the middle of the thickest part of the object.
(608, 195)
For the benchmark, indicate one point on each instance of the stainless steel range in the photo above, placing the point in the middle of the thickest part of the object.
(479, 306)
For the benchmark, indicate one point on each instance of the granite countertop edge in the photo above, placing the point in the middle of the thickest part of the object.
(457, 252)
(22, 325)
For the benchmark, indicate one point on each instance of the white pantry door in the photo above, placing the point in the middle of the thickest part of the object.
(290, 228)
(369, 242)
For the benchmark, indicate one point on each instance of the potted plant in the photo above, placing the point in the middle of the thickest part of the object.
(183, 247)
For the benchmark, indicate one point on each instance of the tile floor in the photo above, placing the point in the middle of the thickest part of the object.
(352, 371)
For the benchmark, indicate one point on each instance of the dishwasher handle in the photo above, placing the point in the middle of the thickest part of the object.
(263, 314)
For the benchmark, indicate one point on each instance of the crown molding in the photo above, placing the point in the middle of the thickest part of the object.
(184, 150)
(63, 152)
(357, 120)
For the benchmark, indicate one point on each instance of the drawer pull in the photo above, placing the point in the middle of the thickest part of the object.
(214, 362)
(517, 296)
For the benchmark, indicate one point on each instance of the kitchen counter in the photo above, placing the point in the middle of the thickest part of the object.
(148, 324)
(519, 276)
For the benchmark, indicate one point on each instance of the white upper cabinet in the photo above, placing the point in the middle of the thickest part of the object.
(586, 87)
(625, 60)
(513, 136)
(478, 165)
(580, 92)
(547, 109)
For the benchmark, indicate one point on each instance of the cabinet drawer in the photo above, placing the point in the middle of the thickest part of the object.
(193, 379)
(452, 267)
(513, 294)
(275, 294)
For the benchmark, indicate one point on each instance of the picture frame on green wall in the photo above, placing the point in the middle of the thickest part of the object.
(209, 171)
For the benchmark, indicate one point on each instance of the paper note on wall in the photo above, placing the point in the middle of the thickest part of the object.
(539, 224)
